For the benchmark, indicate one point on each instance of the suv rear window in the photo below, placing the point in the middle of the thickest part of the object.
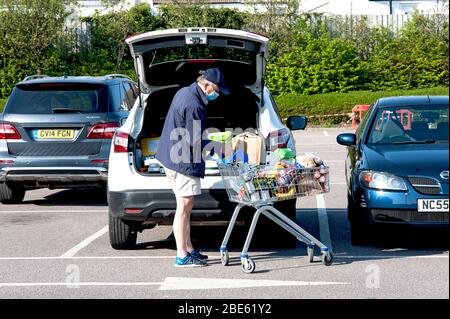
(51, 98)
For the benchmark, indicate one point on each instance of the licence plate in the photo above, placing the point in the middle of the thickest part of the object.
(54, 134)
(433, 205)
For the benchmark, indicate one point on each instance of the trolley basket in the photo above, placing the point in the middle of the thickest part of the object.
(264, 184)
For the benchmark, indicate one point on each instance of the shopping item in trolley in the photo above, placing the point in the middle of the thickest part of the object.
(264, 184)
(260, 186)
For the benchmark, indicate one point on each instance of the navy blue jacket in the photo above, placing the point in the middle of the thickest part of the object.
(182, 152)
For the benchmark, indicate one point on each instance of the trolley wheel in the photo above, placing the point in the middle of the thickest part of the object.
(327, 258)
(248, 266)
(310, 251)
(224, 257)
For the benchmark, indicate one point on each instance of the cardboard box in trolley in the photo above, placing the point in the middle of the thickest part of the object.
(252, 145)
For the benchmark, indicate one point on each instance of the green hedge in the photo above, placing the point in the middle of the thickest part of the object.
(339, 103)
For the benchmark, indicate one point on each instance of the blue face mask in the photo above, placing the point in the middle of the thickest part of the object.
(212, 96)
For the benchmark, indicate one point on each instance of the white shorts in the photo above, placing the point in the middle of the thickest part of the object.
(183, 185)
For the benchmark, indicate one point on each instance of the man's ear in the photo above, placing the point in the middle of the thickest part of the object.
(204, 86)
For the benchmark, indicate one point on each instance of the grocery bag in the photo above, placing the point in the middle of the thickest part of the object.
(252, 145)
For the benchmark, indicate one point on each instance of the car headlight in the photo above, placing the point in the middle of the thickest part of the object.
(382, 181)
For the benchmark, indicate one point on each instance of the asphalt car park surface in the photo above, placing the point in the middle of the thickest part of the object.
(55, 245)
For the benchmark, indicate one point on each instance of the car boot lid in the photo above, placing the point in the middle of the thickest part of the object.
(141, 45)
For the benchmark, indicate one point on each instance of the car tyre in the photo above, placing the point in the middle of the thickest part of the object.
(360, 231)
(11, 194)
(122, 235)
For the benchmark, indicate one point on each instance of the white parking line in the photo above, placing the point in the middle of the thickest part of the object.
(325, 237)
(72, 252)
(77, 284)
(325, 133)
(314, 144)
(94, 257)
(335, 151)
(176, 283)
(395, 257)
(217, 257)
(51, 211)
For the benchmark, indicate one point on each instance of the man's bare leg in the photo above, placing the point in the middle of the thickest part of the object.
(181, 224)
(189, 245)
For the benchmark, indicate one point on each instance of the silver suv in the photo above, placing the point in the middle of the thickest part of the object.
(55, 132)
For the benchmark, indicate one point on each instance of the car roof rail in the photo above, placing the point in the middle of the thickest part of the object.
(113, 76)
(33, 77)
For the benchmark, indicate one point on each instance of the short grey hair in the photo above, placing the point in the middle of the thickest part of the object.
(201, 79)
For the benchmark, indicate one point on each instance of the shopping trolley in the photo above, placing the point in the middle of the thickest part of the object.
(260, 186)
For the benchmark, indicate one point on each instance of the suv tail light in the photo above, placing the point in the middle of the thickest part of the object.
(278, 139)
(103, 130)
(8, 132)
(120, 142)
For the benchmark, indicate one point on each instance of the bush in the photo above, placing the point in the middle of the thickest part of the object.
(182, 16)
(323, 65)
(31, 31)
(418, 58)
(328, 56)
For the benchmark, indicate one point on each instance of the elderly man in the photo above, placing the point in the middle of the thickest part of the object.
(183, 130)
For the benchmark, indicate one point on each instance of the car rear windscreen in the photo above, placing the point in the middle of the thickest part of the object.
(167, 66)
(52, 98)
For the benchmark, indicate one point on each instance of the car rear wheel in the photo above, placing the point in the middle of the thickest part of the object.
(122, 235)
(11, 194)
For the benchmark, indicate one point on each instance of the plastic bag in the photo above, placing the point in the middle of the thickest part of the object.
(285, 154)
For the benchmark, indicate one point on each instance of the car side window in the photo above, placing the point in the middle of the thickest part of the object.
(275, 107)
(135, 90)
(363, 124)
(124, 101)
(130, 94)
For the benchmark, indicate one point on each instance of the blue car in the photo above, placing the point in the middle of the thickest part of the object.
(397, 165)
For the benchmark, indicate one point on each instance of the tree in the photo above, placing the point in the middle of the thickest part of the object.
(200, 15)
(31, 32)
(110, 53)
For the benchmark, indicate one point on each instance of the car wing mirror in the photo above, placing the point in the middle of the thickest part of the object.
(346, 139)
(295, 123)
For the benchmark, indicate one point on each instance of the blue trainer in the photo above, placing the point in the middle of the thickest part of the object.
(196, 253)
(189, 261)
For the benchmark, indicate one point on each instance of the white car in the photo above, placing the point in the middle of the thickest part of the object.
(165, 61)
